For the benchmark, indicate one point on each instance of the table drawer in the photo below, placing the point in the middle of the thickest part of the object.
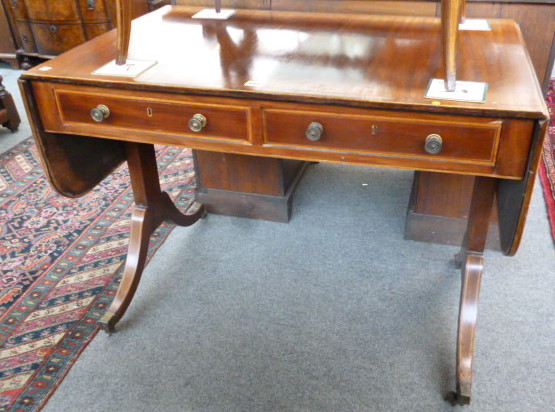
(461, 141)
(153, 115)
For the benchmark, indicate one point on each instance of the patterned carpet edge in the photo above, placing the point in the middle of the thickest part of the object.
(24, 327)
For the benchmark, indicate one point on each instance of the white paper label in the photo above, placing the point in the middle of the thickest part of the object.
(464, 91)
(211, 14)
(131, 68)
(475, 24)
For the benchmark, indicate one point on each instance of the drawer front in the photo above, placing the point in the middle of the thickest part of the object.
(93, 10)
(170, 117)
(54, 39)
(60, 10)
(93, 30)
(461, 142)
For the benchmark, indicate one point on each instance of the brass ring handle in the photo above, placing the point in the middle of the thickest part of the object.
(197, 122)
(434, 144)
(100, 112)
(314, 131)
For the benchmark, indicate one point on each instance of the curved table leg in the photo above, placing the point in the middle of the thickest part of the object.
(472, 266)
(471, 277)
(152, 207)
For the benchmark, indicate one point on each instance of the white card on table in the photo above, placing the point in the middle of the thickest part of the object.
(475, 24)
(211, 14)
(131, 68)
(464, 91)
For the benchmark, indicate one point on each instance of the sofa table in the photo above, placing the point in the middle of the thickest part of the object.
(301, 86)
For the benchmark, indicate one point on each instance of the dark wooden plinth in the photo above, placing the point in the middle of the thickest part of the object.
(247, 186)
(438, 210)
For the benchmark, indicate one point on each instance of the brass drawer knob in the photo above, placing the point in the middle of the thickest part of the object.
(100, 112)
(197, 122)
(434, 144)
(314, 131)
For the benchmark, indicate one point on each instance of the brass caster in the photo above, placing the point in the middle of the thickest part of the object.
(455, 398)
(107, 325)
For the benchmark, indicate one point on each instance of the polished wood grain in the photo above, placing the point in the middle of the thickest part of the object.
(513, 198)
(7, 43)
(225, 122)
(483, 145)
(73, 164)
(321, 76)
(247, 186)
(464, 139)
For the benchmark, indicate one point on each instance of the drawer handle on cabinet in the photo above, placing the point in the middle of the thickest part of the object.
(434, 144)
(100, 112)
(197, 122)
(314, 131)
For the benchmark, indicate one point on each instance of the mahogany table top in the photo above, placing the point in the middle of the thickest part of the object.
(356, 60)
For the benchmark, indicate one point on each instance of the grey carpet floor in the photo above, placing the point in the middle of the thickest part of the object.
(331, 312)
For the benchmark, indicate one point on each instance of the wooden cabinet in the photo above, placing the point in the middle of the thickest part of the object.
(41, 29)
(7, 44)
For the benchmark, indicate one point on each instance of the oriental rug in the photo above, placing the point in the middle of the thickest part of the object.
(547, 166)
(60, 263)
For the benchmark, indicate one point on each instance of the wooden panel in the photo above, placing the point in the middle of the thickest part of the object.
(223, 122)
(53, 39)
(247, 186)
(231, 172)
(59, 10)
(93, 30)
(7, 43)
(513, 198)
(405, 8)
(77, 163)
(463, 142)
(537, 24)
(482, 10)
(95, 11)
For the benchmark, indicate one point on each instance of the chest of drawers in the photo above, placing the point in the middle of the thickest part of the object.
(43, 29)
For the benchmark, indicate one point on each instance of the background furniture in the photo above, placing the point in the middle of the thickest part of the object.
(7, 43)
(41, 29)
(9, 117)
